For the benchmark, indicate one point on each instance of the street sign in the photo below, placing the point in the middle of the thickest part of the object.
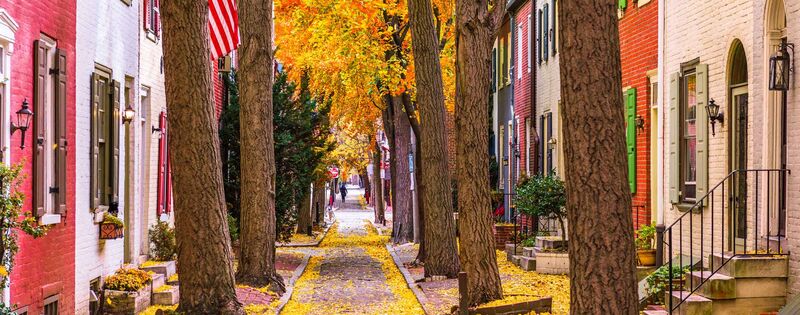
(334, 172)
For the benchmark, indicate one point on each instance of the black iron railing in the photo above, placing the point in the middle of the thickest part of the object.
(738, 216)
(637, 216)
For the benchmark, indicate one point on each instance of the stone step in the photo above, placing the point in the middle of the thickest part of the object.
(742, 266)
(166, 268)
(158, 279)
(515, 259)
(655, 312)
(529, 251)
(717, 286)
(510, 249)
(527, 263)
(694, 304)
(748, 306)
(166, 295)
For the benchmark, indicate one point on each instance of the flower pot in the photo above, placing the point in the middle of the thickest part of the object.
(647, 257)
(110, 231)
(126, 302)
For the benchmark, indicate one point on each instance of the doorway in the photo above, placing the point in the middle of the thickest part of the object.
(738, 146)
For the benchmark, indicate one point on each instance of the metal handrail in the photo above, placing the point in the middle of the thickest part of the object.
(739, 195)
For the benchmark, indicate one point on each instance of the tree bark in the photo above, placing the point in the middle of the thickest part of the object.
(304, 212)
(379, 205)
(319, 200)
(475, 29)
(257, 259)
(441, 257)
(388, 127)
(403, 224)
(205, 260)
(412, 114)
(367, 187)
(595, 174)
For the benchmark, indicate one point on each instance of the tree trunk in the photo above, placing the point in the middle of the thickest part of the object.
(205, 260)
(595, 174)
(441, 255)
(257, 259)
(476, 25)
(304, 213)
(379, 205)
(412, 114)
(388, 127)
(367, 188)
(403, 224)
(319, 201)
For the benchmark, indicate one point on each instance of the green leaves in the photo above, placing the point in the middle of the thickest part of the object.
(542, 196)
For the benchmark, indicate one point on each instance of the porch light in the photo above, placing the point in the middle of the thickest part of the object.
(713, 115)
(128, 114)
(640, 122)
(779, 68)
(23, 121)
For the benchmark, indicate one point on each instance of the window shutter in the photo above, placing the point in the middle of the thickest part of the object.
(539, 38)
(162, 164)
(39, 87)
(115, 140)
(545, 30)
(554, 30)
(61, 131)
(630, 136)
(156, 18)
(146, 15)
(702, 131)
(623, 4)
(94, 186)
(540, 146)
(674, 138)
(550, 167)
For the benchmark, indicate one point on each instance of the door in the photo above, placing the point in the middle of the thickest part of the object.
(738, 160)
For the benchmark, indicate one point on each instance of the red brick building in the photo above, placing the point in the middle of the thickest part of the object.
(638, 32)
(34, 38)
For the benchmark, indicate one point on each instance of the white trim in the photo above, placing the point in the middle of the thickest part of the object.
(519, 52)
(49, 218)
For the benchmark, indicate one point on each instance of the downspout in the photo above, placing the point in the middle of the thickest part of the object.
(512, 159)
(661, 215)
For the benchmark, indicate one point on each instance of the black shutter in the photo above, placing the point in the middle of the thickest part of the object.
(540, 146)
(550, 166)
(115, 125)
(61, 131)
(39, 97)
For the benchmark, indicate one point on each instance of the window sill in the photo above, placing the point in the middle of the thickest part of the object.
(49, 219)
(151, 36)
(99, 214)
(685, 207)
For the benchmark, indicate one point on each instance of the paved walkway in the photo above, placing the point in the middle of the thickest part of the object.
(351, 272)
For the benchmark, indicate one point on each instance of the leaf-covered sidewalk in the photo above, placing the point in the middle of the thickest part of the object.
(352, 272)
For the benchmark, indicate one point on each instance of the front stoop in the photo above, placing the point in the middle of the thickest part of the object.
(527, 263)
(748, 306)
(166, 295)
(753, 266)
(717, 286)
(694, 304)
(166, 268)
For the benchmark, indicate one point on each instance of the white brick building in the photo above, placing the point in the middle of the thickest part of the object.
(547, 116)
(720, 50)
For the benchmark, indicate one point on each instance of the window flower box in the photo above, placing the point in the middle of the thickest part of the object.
(111, 227)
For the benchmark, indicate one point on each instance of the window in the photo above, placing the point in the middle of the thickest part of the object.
(653, 93)
(540, 147)
(539, 38)
(689, 136)
(546, 32)
(494, 68)
(530, 51)
(528, 145)
(105, 141)
(50, 131)
(152, 17)
(554, 30)
(518, 68)
(501, 159)
(51, 305)
(507, 58)
(8, 29)
(550, 145)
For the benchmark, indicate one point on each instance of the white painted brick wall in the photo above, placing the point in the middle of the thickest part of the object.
(707, 30)
(107, 34)
(548, 91)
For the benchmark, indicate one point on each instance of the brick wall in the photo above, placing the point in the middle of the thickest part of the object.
(638, 34)
(522, 88)
(43, 266)
(108, 33)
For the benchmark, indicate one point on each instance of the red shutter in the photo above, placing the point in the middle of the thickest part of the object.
(146, 14)
(39, 86)
(61, 132)
(162, 161)
(157, 18)
(168, 199)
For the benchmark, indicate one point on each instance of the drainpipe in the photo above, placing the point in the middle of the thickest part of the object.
(661, 209)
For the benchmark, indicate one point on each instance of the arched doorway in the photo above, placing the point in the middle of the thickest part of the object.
(775, 101)
(738, 140)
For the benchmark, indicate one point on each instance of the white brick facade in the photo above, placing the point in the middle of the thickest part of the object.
(707, 31)
(548, 90)
(108, 33)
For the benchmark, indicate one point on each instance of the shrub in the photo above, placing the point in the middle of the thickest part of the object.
(233, 227)
(529, 242)
(658, 282)
(127, 279)
(542, 196)
(644, 237)
(162, 236)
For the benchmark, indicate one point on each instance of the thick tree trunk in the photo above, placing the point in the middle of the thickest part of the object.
(476, 26)
(411, 112)
(367, 188)
(403, 224)
(595, 174)
(441, 257)
(205, 260)
(379, 205)
(304, 213)
(319, 201)
(257, 259)
(388, 127)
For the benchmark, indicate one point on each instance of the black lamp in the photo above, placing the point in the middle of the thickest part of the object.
(23, 121)
(640, 122)
(780, 65)
(713, 115)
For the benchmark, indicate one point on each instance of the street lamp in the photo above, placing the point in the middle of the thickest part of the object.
(23, 121)
(713, 115)
(780, 65)
(128, 114)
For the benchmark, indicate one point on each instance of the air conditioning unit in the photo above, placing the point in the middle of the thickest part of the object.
(225, 64)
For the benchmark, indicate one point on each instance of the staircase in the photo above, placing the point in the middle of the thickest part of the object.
(746, 268)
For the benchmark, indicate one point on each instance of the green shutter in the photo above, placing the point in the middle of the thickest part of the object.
(630, 135)
(674, 138)
(702, 131)
(623, 4)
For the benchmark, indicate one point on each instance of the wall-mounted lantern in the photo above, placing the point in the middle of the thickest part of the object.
(780, 65)
(713, 115)
(128, 114)
(23, 121)
(640, 122)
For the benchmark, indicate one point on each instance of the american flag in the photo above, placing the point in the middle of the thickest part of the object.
(223, 26)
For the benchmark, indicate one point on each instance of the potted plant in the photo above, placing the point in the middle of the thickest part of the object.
(111, 227)
(644, 245)
(127, 292)
(658, 282)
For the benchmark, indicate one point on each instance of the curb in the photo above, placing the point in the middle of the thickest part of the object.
(290, 288)
(314, 244)
(421, 298)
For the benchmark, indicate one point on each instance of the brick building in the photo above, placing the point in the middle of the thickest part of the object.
(34, 38)
(638, 37)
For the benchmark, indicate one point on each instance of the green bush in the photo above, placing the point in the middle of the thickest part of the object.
(127, 279)
(644, 237)
(658, 282)
(529, 242)
(233, 227)
(162, 236)
(542, 196)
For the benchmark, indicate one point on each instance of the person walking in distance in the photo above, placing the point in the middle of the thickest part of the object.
(343, 191)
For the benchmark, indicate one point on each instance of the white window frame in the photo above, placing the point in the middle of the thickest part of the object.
(50, 217)
(530, 32)
(8, 29)
(519, 52)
